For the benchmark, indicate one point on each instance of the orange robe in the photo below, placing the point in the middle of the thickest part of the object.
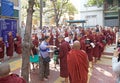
(13, 78)
(77, 61)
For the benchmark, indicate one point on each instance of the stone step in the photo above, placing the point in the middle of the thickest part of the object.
(107, 56)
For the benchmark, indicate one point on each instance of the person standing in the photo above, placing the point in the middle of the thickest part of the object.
(18, 44)
(10, 47)
(63, 51)
(2, 46)
(116, 64)
(78, 64)
(22, 30)
(44, 58)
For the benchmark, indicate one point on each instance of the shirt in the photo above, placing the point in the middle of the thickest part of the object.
(43, 50)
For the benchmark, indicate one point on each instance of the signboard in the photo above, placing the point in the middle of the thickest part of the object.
(7, 8)
(7, 25)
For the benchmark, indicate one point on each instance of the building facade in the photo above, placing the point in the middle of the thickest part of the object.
(93, 15)
(111, 13)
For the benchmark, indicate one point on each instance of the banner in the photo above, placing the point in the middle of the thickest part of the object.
(7, 25)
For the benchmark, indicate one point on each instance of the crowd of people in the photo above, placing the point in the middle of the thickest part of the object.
(76, 47)
(10, 45)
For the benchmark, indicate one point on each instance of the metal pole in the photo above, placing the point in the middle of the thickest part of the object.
(41, 11)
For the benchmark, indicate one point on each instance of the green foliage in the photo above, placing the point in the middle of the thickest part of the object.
(98, 3)
(71, 9)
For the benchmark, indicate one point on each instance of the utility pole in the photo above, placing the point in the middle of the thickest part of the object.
(41, 12)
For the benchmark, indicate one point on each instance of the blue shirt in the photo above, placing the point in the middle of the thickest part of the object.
(43, 49)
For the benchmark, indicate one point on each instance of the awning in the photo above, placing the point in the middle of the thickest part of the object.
(76, 21)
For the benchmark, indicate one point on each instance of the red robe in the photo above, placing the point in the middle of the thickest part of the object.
(56, 41)
(35, 42)
(18, 45)
(88, 48)
(2, 45)
(64, 49)
(66, 33)
(82, 44)
(51, 39)
(96, 49)
(13, 78)
(77, 66)
(10, 48)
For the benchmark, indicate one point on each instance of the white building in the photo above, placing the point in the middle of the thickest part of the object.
(93, 15)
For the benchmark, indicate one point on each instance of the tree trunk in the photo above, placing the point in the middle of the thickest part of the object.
(27, 42)
(57, 20)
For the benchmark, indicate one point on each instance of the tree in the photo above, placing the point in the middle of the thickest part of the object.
(60, 7)
(98, 3)
(27, 42)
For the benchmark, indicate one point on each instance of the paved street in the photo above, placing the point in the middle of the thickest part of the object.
(101, 73)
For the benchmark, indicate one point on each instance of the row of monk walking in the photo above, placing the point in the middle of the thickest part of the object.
(75, 48)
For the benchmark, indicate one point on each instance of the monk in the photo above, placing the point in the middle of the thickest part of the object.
(18, 44)
(10, 48)
(2, 46)
(82, 42)
(35, 41)
(63, 51)
(77, 62)
(6, 77)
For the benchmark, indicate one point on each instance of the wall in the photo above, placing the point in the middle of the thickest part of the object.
(93, 15)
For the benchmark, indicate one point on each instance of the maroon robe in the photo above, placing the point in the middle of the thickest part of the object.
(56, 41)
(35, 42)
(51, 39)
(66, 33)
(18, 45)
(13, 78)
(10, 48)
(88, 48)
(82, 44)
(2, 46)
(64, 49)
(96, 48)
(77, 61)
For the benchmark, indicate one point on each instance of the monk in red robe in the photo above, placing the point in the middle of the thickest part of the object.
(10, 48)
(51, 39)
(18, 44)
(66, 33)
(5, 77)
(63, 51)
(77, 61)
(2, 46)
(35, 41)
(82, 42)
(56, 40)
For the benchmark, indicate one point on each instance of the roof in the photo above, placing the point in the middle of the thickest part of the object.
(77, 21)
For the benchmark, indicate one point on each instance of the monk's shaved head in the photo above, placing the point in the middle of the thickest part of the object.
(4, 69)
(76, 45)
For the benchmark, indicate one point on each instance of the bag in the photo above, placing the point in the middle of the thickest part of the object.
(47, 59)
